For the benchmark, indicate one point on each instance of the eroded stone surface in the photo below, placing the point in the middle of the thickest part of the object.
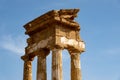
(41, 68)
(55, 30)
(63, 16)
(66, 43)
(41, 64)
(27, 70)
(57, 64)
(73, 42)
(75, 67)
(39, 45)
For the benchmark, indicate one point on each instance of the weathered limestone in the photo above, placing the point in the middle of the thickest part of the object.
(57, 64)
(41, 68)
(41, 65)
(75, 66)
(55, 30)
(27, 70)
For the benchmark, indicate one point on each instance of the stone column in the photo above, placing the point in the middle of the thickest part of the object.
(75, 66)
(27, 70)
(41, 65)
(57, 64)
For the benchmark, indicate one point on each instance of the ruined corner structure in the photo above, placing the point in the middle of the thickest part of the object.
(56, 30)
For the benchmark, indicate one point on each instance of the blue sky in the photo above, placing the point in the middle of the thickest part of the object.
(100, 29)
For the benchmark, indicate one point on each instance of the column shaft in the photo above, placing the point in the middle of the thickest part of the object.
(57, 64)
(41, 68)
(27, 70)
(75, 67)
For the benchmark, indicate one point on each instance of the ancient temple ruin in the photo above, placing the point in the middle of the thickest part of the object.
(55, 30)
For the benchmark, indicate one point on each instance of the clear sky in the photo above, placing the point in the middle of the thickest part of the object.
(100, 29)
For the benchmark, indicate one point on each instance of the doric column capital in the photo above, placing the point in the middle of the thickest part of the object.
(43, 52)
(26, 58)
(57, 49)
(73, 54)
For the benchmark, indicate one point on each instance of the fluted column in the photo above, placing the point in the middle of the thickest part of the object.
(41, 65)
(27, 70)
(57, 64)
(75, 66)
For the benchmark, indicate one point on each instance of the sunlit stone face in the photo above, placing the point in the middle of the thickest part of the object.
(72, 42)
(55, 30)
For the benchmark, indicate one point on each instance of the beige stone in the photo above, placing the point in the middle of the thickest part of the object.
(57, 64)
(55, 30)
(41, 65)
(75, 66)
(27, 70)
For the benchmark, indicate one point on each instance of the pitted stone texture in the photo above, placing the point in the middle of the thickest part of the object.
(62, 42)
(27, 70)
(72, 44)
(63, 16)
(39, 45)
(41, 68)
(57, 64)
(41, 65)
(75, 67)
(55, 30)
